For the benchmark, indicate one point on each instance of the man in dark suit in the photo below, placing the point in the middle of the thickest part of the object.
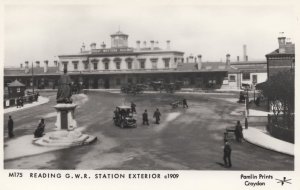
(10, 127)
(227, 155)
(145, 118)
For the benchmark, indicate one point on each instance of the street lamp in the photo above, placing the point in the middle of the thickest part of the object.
(32, 77)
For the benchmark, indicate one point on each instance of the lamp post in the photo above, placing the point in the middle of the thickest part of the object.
(80, 82)
(32, 77)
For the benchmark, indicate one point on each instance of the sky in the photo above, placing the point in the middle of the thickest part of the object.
(42, 32)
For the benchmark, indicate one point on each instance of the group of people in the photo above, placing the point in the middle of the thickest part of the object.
(39, 132)
(20, 102)
(156, 115)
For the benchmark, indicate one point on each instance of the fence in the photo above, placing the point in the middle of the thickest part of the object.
(282, 127)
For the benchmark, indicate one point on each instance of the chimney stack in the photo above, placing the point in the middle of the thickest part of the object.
(281, 42)
(246, 57)
(21, 66)
(156, 44)
(152, 44)
(238, 58)
(199, 61)
(103, 45)
(187, 60)
(168, 45)
(45, 66)
(93, 46)
(82, 47)
(245, 51)
(26, 67)
(145, 44)
(138, 45)
(37, 64)
(227, 58)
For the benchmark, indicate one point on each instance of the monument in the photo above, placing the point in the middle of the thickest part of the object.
(66, 133)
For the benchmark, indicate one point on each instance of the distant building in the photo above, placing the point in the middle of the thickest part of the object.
(282, 58)
(112, 67)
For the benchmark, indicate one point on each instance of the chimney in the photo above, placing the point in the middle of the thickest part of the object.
(145, 44)
(246, 57)
(21, 66)
(93, 46)
(103, 45)
(45, 66)
(238, 58)
(82, 47)
(227, 58)
(187, 60)
(168, 45)
(281, 42)
(152, 44)
(37, 64)
(26, 67)
(245, 51)
(156, 44)
(138, 45)
(195, 59)
(199, 61)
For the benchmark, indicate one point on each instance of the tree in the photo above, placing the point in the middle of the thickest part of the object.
(280, 91)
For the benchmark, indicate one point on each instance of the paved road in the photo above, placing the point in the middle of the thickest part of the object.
(187, 139)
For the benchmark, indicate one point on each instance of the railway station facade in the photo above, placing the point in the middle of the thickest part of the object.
(118, 65)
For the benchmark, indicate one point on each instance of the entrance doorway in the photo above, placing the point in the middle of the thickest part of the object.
(106, 83)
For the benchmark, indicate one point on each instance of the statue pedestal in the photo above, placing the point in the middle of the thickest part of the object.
(66, 133)
(65, 117)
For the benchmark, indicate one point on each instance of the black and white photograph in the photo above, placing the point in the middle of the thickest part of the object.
(160, 91)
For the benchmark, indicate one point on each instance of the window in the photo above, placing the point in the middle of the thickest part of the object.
(246, 76)
(129, 62)
(254, 79)
(154, 63)
(65, 64)
(75, 66)
(95, 65)
(130, 80)
(231, 78)
(18, 90)
(129, 65)
(106, 66)
(167, 62)
(142, 63)
(86, 65)
(118, 65)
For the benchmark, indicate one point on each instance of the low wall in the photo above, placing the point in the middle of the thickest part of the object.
(282, 133)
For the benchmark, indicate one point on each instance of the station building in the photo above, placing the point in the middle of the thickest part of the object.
(111, 67)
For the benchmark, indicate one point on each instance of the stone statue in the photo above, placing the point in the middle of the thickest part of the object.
(64, 92)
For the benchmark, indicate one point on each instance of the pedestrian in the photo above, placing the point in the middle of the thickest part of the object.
(10, 127)
(133, 107)
(18, 102)
(184, 103)
(157, 115)
(238, 132)
(39, 132)
(227, 155)
(145, 118)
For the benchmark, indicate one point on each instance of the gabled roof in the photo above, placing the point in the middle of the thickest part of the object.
(15, 83)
